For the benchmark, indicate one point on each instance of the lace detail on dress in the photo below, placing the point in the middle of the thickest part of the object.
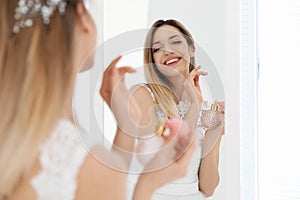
(182, 108)
(205, 105)
(61, 157)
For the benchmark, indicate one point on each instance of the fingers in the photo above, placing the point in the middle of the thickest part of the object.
(112, 77)
(178, 152)
(197, 72)
(183, 136)
(122, 70)
(184, 145)
(194, 76)
(180, 127)
(177, 127)
(113, 64)
(221, 106)
(126, 69)
(201, 73)
(194, 73)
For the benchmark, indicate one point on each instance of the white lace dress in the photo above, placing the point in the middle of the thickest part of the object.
(185, 188)
(61, 157)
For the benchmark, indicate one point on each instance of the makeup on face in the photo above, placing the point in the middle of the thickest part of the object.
(170, 49)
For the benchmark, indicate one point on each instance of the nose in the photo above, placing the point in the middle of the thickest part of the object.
(168, 51)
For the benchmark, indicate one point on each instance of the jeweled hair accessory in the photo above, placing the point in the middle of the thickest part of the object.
(29, 8)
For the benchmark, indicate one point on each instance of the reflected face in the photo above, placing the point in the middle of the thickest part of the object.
(171, 51)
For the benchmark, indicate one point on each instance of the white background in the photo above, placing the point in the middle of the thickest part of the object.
(279, 98)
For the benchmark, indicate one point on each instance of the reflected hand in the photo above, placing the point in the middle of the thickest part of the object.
(170, 163)
(221, 107)
(111, 77)
(115, 93)
(212, 136)
(193, 86)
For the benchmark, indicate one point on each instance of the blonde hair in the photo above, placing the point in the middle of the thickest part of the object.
(158, 82)
(36, 82)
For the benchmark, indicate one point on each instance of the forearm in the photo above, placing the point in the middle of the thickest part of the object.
(208, 172)
(124, 146)
(143, 190)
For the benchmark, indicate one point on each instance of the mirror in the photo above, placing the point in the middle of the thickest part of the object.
(125, 33)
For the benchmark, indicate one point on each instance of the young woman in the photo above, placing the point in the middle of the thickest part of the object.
(42, 45)
(173, 87)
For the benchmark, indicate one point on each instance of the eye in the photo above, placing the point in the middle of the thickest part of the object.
(177, 42)
(156, 49)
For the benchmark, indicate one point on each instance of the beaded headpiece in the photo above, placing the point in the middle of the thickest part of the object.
(27, 9)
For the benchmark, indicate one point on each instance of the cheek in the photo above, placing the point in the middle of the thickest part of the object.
(182, 49)
(156, 57)
(186, 54)
(186, 59)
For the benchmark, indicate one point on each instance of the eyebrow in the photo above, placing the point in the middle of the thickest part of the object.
(173, 36)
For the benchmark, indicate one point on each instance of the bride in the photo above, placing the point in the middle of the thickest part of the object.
(42, 44)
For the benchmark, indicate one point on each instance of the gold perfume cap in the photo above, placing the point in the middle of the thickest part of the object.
(214, 106)
(160, 127)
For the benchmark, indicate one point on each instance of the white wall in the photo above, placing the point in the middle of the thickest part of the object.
(232, 91)
(279, 98)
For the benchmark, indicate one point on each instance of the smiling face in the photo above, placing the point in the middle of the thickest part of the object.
(171, 50)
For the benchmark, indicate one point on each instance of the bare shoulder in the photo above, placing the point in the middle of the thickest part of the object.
(144, 97)
(96, 178)
(143, 93)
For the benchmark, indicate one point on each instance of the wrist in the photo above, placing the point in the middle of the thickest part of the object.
(144, 189)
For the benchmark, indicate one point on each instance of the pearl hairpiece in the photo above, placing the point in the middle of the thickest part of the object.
(28, 8)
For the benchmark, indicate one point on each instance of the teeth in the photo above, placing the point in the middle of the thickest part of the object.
(172, 60)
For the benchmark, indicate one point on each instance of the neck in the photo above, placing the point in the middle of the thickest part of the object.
(68, 111)
(177, 87)
(177, 82)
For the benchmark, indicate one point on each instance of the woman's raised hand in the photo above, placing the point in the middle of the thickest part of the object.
(171, 162)
(193, 90)
(111, 77)
(115, 93)
(192, 85)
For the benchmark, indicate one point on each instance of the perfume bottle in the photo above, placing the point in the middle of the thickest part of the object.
(161, 130)
(210, 119)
